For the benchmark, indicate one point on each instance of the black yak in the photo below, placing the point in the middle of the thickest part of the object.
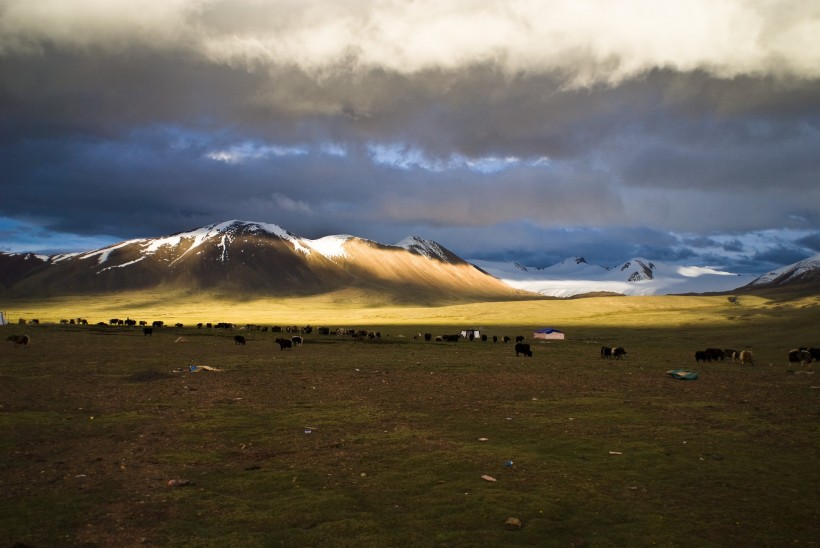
(523, 348)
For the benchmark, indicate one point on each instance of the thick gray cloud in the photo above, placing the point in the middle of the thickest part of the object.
(682, 131)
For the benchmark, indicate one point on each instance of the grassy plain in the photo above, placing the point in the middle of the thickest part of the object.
(347, 442)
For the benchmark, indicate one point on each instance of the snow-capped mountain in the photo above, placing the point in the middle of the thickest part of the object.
(806, 271)
(638, 276)
(238, 257)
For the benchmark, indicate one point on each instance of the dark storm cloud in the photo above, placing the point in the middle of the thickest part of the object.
(811, 241)
(531, 131)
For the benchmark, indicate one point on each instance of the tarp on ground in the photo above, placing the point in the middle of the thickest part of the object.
(683, 374)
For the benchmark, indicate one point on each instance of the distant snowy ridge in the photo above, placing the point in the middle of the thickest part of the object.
(791, 273)
(638, 276)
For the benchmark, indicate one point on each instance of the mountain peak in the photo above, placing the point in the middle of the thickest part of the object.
(236, 226)
(427, 248)
(640, 269)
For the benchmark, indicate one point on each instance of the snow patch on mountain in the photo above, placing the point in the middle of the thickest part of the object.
(638, 276)
(331, 247)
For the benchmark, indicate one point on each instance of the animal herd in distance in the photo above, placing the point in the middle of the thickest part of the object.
(803, 355)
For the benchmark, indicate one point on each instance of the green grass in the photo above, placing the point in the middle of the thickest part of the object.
(345, 442)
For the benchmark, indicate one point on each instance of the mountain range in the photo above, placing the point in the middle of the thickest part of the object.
(248, 258)
(242, 259)
(638, 276)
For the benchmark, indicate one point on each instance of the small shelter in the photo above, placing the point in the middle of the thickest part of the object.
(3, 318)
(548, 333)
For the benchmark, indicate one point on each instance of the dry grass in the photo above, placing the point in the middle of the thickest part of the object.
(346, 442)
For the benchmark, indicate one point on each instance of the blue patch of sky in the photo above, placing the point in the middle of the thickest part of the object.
(248, 150)
(17, 236)
(253, 150)
(393, 155)
(400, 156)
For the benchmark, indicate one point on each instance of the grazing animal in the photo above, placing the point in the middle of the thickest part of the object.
(715, 354)
(505, 339)
(296, 340)
(606, 352)
(729, 353)
(238, 339)
(158, 323)
(147, 331)
(746, 356)
(802, 356)
(284, 343)
(815, 353)
(618, 352)
(19, 339)
(519, 338)
(428, 336)
(523, 348)
(702, 356)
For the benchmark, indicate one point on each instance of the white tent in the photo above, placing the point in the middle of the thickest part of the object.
(547, 333)
(3, 320)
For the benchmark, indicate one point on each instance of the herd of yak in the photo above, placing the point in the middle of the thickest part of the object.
(803, 355)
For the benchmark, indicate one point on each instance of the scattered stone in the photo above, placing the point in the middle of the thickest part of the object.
(178, 482)
(485, 477)
(513, 524)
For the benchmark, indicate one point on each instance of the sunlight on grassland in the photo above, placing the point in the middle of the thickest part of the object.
(342, 308)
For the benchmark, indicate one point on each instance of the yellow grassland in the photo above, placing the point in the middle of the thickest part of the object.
(356, 308)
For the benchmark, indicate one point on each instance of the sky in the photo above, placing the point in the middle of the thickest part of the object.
(685, 132)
